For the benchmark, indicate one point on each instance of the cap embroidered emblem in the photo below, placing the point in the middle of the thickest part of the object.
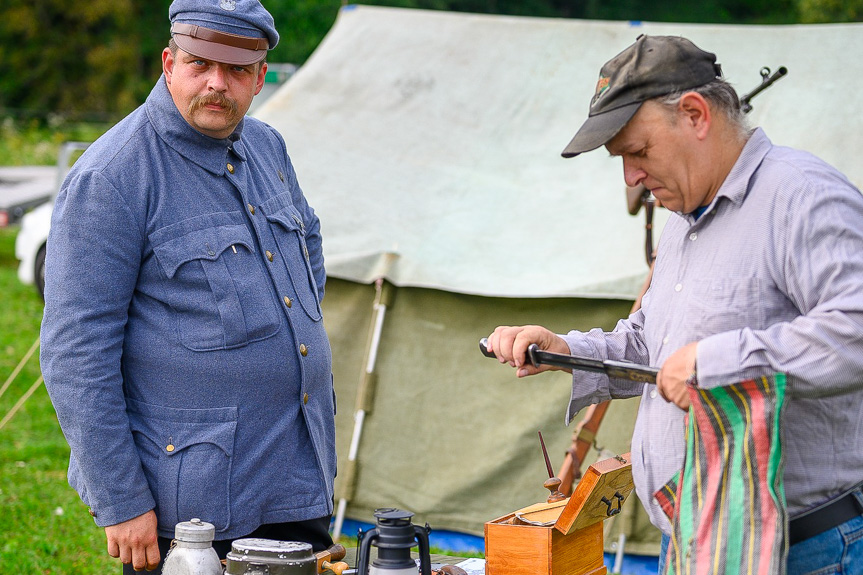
(601, 87)
(229, 5)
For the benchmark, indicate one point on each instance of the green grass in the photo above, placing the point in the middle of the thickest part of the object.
(44, 525)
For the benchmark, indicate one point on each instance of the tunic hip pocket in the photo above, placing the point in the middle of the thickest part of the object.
(187, 457)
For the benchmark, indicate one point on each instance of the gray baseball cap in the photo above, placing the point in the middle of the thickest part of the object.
(229, 31)
(651, 67)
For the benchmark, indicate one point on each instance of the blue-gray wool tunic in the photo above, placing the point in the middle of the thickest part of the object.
(182, 342)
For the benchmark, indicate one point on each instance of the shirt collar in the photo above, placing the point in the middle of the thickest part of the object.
(209, 153)
(736, 184)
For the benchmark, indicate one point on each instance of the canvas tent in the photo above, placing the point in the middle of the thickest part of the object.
(428, 143)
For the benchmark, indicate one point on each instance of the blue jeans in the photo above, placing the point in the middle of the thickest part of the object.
(663, 551)
(836, 551)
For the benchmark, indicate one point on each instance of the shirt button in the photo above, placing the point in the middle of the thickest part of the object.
(652, 394)
(251, 208)
(304, 351)
(693, 236)
(231, 168)
(678, 287)
(305, 398)
(288, 301)
(665, 339)
(269, 255)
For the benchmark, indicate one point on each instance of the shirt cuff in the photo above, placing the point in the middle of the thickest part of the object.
(717, 360)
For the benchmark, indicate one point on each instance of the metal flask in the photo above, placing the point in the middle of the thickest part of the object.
(394, 536)
(192, 550)
(268, 556)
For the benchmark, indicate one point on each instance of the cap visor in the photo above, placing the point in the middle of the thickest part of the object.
(218, 52)
(598, 130)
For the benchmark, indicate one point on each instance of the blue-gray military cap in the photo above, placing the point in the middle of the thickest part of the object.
(229, 31)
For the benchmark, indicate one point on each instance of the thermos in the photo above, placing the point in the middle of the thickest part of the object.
(394, 536)
(192, 550)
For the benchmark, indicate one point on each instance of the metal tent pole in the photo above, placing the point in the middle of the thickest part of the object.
(365, 393)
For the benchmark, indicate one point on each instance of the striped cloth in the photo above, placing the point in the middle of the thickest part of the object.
(727, 504)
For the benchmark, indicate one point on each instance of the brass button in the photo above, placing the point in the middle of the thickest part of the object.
(304, 351)
(92, 512)
(231, 168)
(269, 255)
(288, 301)
(251, 208)
(305, 398)
(169, 448)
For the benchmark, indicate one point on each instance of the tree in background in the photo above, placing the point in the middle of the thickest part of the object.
(72, 57)
(98, 59)
(812, 11)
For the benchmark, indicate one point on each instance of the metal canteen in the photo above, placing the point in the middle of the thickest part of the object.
(271, 557)
(192, 550)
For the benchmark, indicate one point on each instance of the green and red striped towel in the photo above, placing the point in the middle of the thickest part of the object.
(727, 504)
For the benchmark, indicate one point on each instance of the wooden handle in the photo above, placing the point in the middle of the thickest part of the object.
(338, 568)
(334, 553)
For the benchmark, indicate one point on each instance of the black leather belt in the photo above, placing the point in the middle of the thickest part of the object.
(833, 514)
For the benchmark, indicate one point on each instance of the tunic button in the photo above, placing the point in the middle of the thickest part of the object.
(288, 301)
(305, 398)
(693, 236)
(251, 208)
(92, 512)
(304, 351)
(306, 251)
(678, 287)
(269, 255)
(231, 168)
(281, 176)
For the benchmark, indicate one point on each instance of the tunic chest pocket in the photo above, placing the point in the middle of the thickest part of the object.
(290, 235)
(216, 286)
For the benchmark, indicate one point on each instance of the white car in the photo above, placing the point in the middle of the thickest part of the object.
(33, 235)
(30, 245)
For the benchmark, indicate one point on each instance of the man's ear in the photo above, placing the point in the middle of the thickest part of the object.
(696, 113)
(167, 64)
(262, 74)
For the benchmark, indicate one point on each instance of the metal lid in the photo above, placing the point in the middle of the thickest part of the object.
(273, 553)
(194, 531)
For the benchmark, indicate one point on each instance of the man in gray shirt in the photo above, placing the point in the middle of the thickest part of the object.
(760, 271)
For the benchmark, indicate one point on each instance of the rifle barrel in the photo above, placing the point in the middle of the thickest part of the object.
(767, 80)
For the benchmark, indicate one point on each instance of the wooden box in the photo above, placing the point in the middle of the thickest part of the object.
(563, 538)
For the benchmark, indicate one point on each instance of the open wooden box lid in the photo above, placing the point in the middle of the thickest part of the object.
(599, 495)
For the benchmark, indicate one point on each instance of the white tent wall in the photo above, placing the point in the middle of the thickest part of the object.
(436, 137)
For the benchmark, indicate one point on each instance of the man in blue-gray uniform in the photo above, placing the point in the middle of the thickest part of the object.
(760, 271)
(182, 342)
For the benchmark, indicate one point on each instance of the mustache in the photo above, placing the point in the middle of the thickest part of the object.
(216, 98)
